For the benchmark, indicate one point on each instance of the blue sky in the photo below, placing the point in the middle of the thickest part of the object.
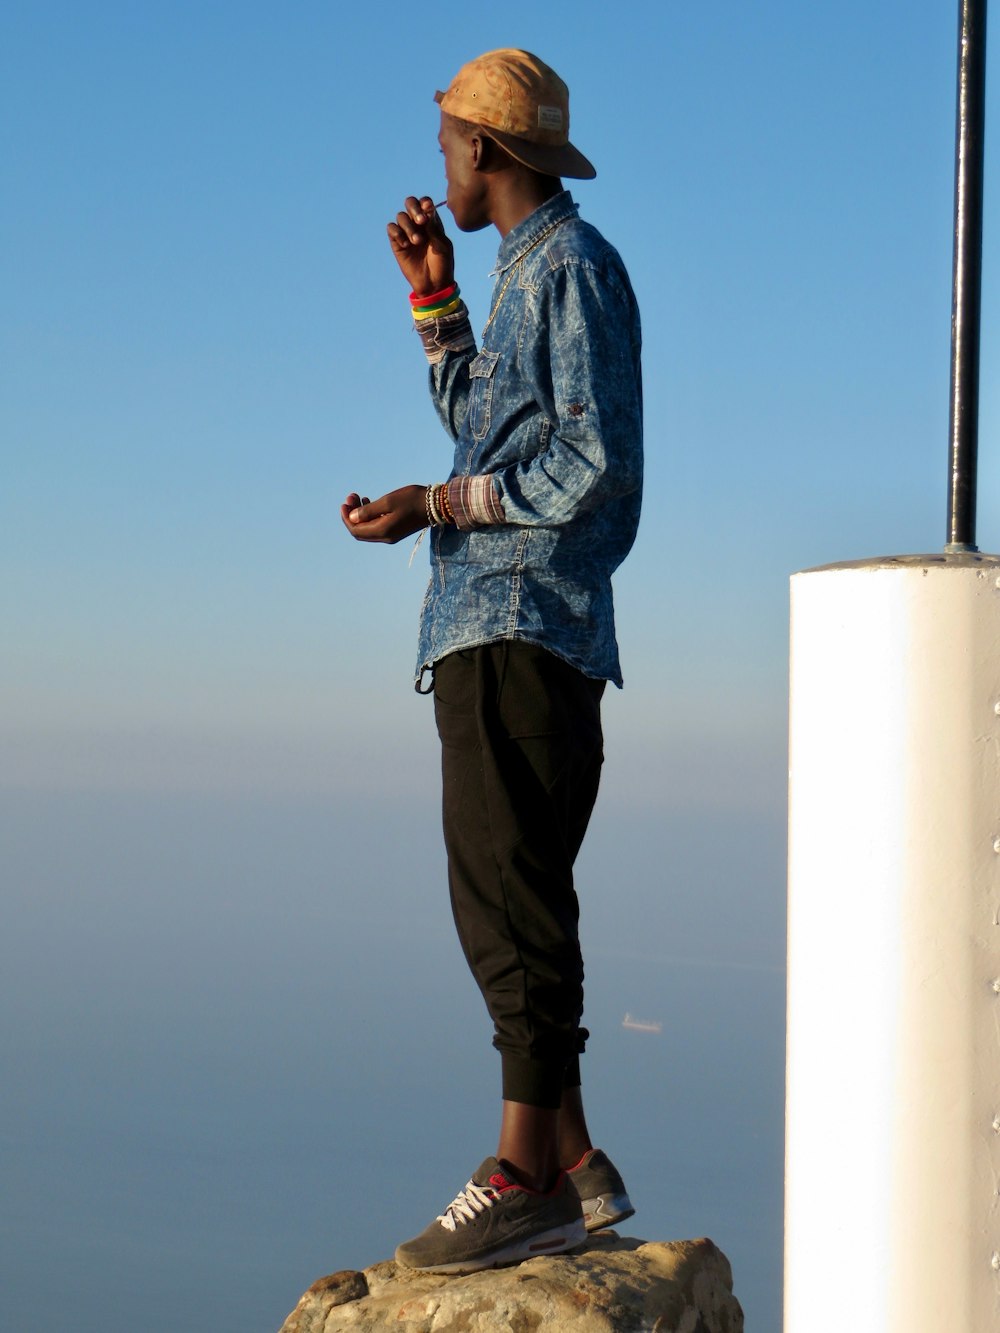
(205, 344)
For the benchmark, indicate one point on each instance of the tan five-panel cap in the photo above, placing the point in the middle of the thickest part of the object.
(522, 104)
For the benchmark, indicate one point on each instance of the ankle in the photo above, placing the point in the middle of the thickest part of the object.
(574, 1141)
(573, 1135)
(529, 1144)
(541, 1181)
(571, 1157)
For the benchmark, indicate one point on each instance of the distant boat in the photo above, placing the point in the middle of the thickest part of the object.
(640, 1024)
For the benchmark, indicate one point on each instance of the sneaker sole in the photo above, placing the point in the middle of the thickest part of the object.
(604, 1210)
(546, 1242)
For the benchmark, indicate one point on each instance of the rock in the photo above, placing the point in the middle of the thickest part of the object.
(611, 1285)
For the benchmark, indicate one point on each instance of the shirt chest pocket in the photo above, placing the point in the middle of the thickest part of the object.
(482, 375)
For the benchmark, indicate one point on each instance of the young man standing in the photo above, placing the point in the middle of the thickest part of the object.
(517, 628)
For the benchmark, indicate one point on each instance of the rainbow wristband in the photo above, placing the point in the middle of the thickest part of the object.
(436, 304)
(434, 298)
(436, 312)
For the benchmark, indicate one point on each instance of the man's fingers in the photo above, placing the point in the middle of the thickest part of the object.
(414, 219)
(417, 208)
(359, 509)
(405, 228)
(417, 221)
(397, 237)
(363, 522)
(434, 224)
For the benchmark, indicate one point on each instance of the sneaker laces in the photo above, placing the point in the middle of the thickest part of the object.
(467, 1205)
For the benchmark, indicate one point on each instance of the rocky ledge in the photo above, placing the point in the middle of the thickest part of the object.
(611, 1284)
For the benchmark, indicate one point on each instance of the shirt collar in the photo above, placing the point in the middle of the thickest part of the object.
(521, 238)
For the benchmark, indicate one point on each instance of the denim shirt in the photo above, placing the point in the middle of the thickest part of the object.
(551, 408)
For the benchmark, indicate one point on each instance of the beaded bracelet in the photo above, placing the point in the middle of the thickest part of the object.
(436, 506)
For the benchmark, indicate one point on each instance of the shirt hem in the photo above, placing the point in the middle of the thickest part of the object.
(539, 642)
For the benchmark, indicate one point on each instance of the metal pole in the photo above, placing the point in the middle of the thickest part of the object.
(967, 275)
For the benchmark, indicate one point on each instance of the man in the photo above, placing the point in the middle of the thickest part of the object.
(517, 628)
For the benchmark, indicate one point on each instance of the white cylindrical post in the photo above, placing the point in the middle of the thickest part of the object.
(892, 1222)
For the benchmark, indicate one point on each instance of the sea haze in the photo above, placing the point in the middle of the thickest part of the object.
(243, 1049)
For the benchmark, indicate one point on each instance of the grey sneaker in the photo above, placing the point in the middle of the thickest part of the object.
(601, 1190)
(496, 1221)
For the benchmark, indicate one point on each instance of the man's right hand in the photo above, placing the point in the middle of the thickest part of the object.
(388, 519)
(422, 250)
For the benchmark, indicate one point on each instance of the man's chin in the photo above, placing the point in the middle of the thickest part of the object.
(469, 222)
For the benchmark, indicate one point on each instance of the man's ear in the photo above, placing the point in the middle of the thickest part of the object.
(487, 155)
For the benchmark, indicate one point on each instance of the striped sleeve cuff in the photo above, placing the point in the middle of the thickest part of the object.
(446, 333)
(475, 502)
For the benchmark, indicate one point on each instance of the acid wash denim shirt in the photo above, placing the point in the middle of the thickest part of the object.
(550, 408)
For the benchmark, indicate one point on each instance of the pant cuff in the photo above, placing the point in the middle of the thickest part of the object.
(571, 1074)
(536, 1082)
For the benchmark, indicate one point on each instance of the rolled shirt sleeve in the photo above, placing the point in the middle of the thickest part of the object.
(449, 345)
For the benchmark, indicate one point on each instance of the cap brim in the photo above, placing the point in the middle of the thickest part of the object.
(564, 160)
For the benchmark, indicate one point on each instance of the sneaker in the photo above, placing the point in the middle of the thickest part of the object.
(496, 1221)
(601, 1190)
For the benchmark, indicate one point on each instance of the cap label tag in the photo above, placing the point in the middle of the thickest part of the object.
(550, 118)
